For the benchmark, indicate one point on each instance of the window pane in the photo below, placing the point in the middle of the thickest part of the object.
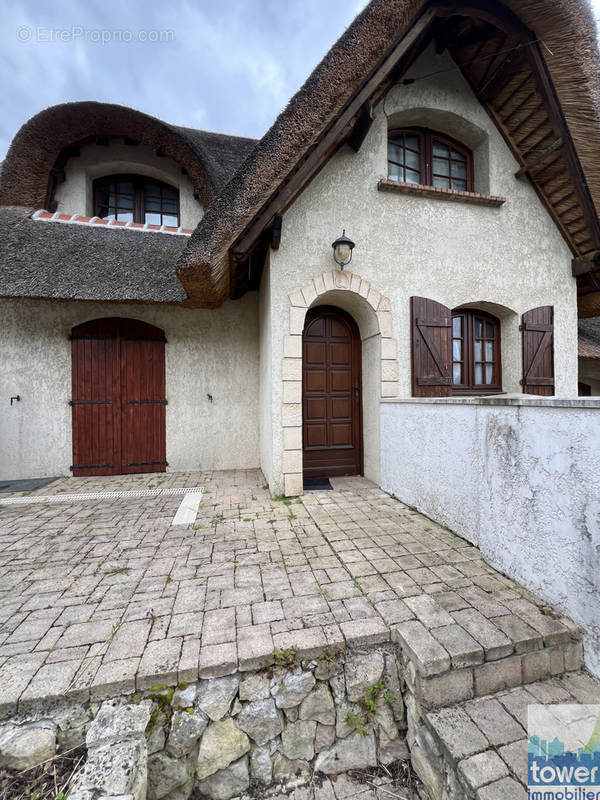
(489, 351)
(457, 326)
(489, 373)
(458, 156)
(413, 160)
(412, 177)
(151, 189)
(413, 143)
(170, 207)
(479, 328)
(459, 170)
(395, 172)
(489, 330)
(478, 374)
(457, 373)
(152, 219)
(170, 220)
(125, 216)
(150, 204)
(457, 349)
(459, 186)
(478, 351)
(441, 167)
(440, 149)
(396, 153)
(441, 183)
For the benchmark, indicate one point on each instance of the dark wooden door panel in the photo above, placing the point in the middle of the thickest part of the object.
(143, 401)
(537, 326)
(118, 397)
(331, 405)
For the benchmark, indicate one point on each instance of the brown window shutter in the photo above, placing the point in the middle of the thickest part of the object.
(431, 335)
(538, 351)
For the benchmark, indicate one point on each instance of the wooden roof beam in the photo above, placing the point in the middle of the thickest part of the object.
(583, 265)
(550, 100)
(490, 11)
(362, 126)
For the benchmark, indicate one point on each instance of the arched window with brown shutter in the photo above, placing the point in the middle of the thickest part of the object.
(538, 351)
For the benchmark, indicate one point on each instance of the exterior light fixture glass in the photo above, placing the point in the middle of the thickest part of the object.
(342, 250)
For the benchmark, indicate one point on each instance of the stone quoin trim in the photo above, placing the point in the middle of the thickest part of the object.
(300, 302)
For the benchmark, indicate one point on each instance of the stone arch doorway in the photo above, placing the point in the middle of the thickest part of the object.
(372, 312)
(118, 397)
(331, 394)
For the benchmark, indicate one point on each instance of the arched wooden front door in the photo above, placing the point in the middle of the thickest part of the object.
(331, 394)
(118, 397)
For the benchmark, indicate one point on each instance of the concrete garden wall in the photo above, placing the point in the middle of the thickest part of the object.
(519, 478)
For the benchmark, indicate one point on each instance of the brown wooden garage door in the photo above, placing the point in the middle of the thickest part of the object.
(118, 397)
(331, 403)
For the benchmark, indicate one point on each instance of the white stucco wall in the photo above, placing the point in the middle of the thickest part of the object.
(507, 260)
(207, 352)
(75, 195)
(521, 481)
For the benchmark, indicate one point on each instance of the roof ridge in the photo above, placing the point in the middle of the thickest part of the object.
(79, 219)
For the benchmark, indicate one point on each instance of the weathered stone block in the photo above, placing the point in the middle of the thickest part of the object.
(24, 746)
(215, 696)
(361, 672)
(261, 767)
(298, 740)
(497, 675)
(464, 651)
(165, 774)
(261, 720)
(493, 721)
(115, 723)
(291, 690)
(115, 769)
(324, 737)
(221, 744)
(228, 782)
(458, 734)
(185, 731)
(355, 752)
(441, 690)
(255, 687)
(318, 706)
(429, 657)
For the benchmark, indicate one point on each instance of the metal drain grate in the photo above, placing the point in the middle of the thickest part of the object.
(75, 498)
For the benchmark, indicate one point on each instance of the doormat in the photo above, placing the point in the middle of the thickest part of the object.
(28, 485)
(317, 484)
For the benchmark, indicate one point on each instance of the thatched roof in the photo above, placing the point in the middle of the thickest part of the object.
(544, 102)
(589, 338)
(42, 143)
(84, 262)
(569, 55)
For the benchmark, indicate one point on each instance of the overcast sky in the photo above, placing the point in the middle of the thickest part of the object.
(222, 65)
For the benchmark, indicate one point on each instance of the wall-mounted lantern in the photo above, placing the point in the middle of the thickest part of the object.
(342, 250)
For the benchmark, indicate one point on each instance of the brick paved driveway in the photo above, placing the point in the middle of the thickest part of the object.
(103, 596)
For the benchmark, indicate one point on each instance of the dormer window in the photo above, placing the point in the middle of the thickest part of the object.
(430, 159)
(135, 198)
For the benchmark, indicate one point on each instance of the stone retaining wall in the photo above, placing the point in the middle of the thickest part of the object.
(342, 711)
